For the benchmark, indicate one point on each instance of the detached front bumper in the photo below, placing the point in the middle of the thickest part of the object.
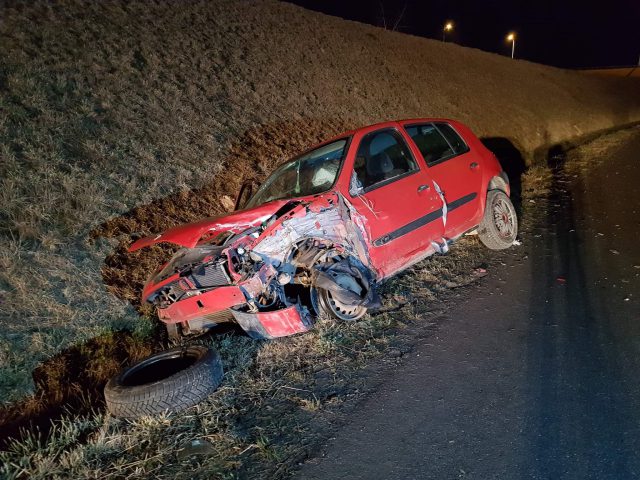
(217, 306)
(277, 323)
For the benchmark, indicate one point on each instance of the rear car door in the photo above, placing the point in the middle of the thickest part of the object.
(455, 168)
(397, 198)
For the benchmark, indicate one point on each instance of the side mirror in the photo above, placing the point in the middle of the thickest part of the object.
(245, 193)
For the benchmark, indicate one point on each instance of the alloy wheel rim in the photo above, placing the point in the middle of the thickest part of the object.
(503, 218)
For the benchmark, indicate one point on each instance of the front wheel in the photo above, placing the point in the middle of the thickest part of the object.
(326, 303)
(499, 226)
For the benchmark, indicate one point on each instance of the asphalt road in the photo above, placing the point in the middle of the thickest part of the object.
(535, 373)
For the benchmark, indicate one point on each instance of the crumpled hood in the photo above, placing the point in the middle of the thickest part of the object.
(188, 235)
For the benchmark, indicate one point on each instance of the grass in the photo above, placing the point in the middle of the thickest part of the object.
(171, 108)
(158, 123)
(279, 398)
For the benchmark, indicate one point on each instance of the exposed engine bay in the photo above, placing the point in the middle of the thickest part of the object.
(274, 278)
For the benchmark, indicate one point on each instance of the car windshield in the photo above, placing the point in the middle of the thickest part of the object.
(314, 172)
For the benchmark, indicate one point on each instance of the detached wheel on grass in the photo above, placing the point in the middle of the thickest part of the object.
(499, 226)
(169, 381)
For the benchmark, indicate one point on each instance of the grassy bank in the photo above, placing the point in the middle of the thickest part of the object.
(129, 117)
(281, 398)
(124, 118)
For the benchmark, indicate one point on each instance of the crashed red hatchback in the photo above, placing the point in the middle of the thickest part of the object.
(327, 227)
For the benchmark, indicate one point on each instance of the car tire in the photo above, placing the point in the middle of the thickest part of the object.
(325, 305)
(168, 381)
(499, 226)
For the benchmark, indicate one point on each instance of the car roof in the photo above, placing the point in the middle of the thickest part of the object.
(389, 123)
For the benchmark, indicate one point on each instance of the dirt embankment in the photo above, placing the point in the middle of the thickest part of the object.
(129, 117)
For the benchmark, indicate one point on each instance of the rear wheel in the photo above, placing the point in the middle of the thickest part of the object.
(499, 226)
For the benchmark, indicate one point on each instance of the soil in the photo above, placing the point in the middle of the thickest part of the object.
(534, 374)
(71, 381)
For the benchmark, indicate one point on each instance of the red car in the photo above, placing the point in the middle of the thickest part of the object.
(327, 227)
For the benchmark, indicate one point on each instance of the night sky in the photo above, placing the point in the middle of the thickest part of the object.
(571, 34)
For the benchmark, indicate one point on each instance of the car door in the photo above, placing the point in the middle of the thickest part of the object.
(395, 195)
(455, 168)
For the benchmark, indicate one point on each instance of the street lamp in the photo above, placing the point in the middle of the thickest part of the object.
(447, 28)
(512, 38)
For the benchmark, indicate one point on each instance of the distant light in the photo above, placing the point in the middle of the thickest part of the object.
(512, 38)
(447, 28)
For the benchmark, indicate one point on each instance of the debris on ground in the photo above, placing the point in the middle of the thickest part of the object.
(196, 447)
(480, 271)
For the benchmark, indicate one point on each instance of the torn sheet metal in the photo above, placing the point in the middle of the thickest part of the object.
(274, 324)
(259, 264)
(190, 234)
(442, 246)
(349, 282)
(328, 217)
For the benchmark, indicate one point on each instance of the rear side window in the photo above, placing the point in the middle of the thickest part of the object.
(453, 138)
(382, 156)
(436, 142)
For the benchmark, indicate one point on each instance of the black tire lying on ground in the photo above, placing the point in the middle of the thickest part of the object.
(499, 226)
(168, 381)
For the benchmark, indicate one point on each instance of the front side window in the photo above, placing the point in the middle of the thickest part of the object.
(311, 173)
(436, 142)
(382, 156)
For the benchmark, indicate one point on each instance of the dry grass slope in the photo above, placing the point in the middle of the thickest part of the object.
(120, 118)
(107, 106)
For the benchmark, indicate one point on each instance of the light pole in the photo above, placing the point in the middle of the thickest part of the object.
(447, 28)
(512, 38)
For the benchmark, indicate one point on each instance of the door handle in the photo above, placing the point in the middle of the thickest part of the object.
(473, 165)
(422, 188)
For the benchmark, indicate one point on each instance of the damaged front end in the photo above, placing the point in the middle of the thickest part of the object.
(272, 274)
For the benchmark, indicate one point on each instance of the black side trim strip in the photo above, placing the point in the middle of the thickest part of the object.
(422, 221)
(461, 201)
